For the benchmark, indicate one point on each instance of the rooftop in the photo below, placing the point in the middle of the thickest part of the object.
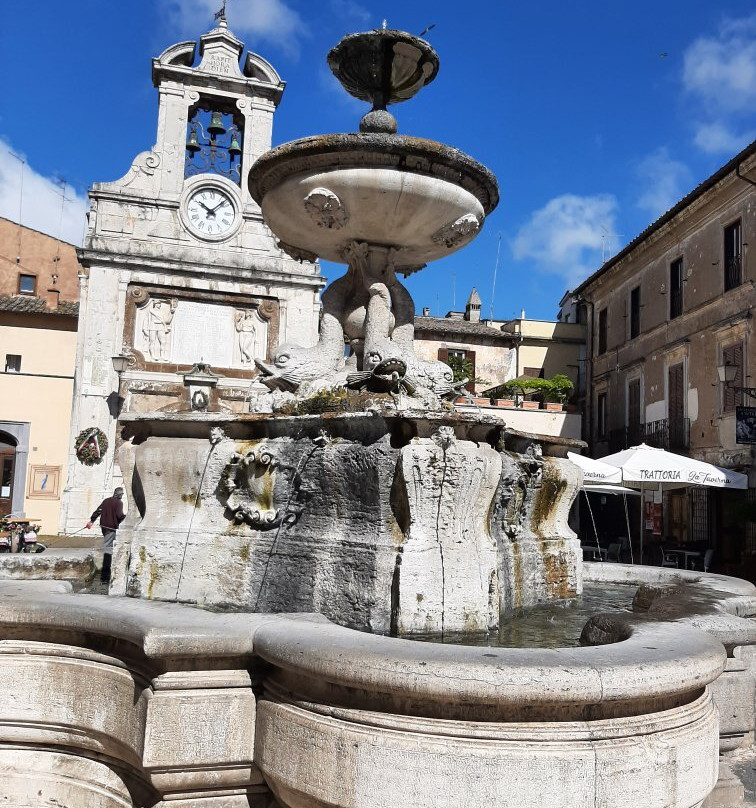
(28, 304)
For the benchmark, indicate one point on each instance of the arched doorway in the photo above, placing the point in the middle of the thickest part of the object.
(7, 472)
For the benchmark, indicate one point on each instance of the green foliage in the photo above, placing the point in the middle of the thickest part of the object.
(333, 400)
(557, 388)
(462, 369)
(561, 387)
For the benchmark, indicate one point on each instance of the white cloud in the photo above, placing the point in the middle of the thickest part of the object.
(721, 70)
(666, 181)
(715, 138)
(564, 237)
(271, 20)
(719, 73)
(42, 207)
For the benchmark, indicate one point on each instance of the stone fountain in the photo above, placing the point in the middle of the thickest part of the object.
(387, 512)
(392, 513)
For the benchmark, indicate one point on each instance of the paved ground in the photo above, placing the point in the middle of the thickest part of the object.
(87, 538)
(743, 765)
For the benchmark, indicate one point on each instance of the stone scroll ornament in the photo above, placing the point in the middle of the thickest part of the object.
(91, 446)
(326, 209)
(456, 232)
(249, 481)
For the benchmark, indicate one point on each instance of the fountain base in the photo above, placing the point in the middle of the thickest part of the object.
(390, 523)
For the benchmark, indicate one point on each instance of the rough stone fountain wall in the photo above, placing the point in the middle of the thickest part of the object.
(395, 526)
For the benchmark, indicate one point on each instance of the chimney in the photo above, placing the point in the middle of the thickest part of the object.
(53, 296)
(426, 311)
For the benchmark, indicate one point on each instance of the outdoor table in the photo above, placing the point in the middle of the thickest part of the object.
(686, 555)
(599, 553)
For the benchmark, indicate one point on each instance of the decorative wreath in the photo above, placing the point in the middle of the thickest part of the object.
(91, 445)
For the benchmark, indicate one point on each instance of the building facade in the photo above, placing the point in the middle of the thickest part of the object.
(179, 267)
(38, 318)
(665, 317)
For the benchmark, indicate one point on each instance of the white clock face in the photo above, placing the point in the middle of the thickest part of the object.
(210, 212)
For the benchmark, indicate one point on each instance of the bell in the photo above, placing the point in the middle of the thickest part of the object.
(216, 127)
(234, 149)
(192, 145)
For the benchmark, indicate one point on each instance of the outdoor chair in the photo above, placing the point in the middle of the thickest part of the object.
(669, 559)
(708, 555)
(613, 552)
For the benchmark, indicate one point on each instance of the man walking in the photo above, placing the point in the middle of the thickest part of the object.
(110, 513)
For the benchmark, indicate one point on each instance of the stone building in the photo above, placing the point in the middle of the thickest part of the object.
(179, 267)
(487, 351)
(38, 316)
(665, 317)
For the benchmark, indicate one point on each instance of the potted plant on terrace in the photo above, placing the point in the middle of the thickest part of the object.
(557, 391)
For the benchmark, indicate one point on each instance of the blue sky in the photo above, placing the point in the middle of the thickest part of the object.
(594, 116)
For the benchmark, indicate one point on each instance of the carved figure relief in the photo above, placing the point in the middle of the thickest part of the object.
(325, 209)
(244, 322)
(157, 328)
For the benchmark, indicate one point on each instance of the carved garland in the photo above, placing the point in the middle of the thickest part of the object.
(91, 446)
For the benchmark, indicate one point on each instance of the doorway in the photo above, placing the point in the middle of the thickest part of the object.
(7, 468)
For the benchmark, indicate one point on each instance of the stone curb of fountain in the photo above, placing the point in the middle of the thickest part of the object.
(310, 644)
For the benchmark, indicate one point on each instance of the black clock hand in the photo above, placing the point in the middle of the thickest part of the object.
(219, 205)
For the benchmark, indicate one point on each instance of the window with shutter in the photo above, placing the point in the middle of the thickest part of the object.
(732, 397)
(676, 404)
(602, 331)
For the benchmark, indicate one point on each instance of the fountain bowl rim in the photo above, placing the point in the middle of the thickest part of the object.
(349, 150)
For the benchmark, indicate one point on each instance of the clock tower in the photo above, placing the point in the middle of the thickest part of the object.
(179, 267)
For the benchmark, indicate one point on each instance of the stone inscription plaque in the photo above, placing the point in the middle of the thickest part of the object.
(223, 336)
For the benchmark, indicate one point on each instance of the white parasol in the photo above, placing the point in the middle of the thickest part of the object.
(651, 469)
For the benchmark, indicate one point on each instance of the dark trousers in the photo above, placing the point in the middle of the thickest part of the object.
(105, 571)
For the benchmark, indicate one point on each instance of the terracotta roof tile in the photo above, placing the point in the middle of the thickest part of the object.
(451, 325)
(28, 304)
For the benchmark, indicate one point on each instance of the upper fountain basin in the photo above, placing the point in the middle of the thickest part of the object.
(321, 193)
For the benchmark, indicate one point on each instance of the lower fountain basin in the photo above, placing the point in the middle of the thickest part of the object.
(342, 718)
(320, 194)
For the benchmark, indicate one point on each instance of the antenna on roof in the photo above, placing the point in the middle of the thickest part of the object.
(20, 203)
(496, 267)
(63, 185)
(605, 236)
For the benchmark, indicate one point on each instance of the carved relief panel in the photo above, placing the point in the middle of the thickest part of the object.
(179, 330)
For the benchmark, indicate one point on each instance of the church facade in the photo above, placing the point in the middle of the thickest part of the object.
(178, 266)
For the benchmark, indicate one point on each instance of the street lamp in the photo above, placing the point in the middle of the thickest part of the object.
(120, 363)
(727, 375)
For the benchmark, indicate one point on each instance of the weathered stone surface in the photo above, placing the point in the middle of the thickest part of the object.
(37, 778)
(445, 577)
(396, 525)
(73, 565)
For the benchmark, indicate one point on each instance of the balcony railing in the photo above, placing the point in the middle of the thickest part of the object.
(733, 275)
(672, 435)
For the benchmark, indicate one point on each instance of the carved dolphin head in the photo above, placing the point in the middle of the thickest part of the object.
(292, 365)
